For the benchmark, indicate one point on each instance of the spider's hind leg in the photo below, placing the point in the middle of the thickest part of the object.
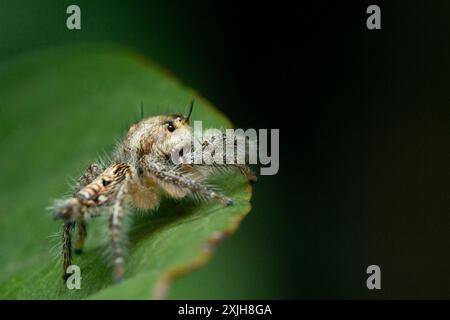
(229, 152)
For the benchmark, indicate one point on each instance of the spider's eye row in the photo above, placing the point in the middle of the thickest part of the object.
(170, 127)
(106, 182)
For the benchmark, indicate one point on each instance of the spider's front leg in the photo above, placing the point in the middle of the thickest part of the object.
(166, 173)
(86, 178)
(91, 173)
(100, 192)
(116, 233)
(67, 247)
(81, 235)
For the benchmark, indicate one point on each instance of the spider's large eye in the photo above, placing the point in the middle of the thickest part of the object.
(106, 182)
(170, 127)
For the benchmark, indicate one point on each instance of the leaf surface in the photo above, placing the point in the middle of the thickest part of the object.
(62, 108)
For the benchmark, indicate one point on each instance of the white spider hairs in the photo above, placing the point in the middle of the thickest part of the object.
(141, 172)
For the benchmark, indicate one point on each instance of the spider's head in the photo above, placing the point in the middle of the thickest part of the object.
(173, 134)
(181, 120)
(163, 135)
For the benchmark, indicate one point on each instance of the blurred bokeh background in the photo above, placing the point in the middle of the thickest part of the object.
(364, 118)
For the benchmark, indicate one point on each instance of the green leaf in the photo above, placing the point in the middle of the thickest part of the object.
(59, 110)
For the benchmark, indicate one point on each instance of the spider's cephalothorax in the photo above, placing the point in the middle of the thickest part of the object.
(141, 172)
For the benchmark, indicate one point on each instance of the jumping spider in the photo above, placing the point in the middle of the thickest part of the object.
(141, 172)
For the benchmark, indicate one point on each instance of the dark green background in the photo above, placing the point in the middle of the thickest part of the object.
(364, 118)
